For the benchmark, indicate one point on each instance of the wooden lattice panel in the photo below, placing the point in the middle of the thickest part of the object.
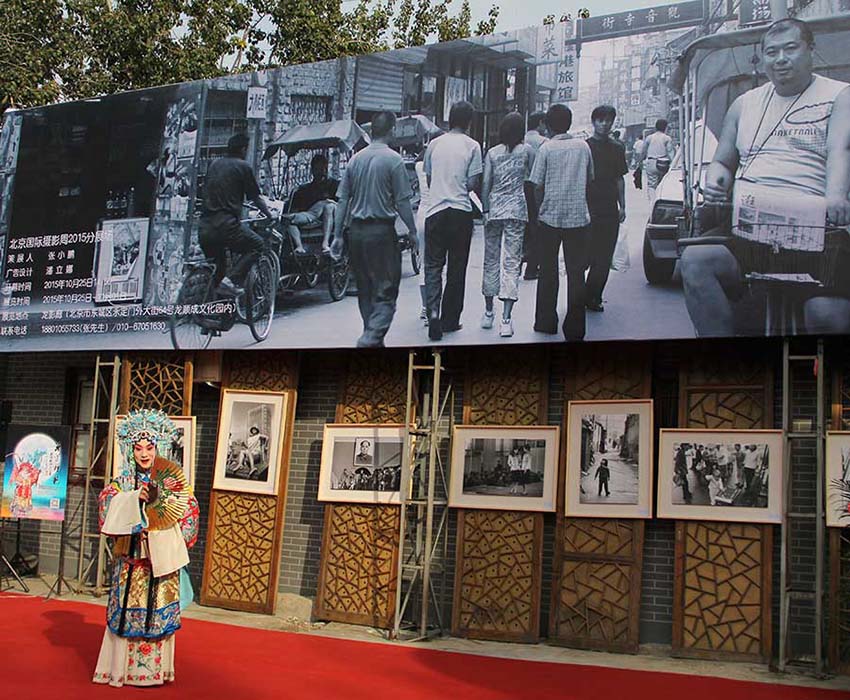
(262, 370)
(374, 390)
(722, 585)
(600, 537)
(497, 587)
(357, 581)
(726, 569)
(841, 388)
(839, 538)
(240, 557)
(711, 367)
(249, 558)
(598, 599)
(598, 563)
(161, 381)
(600, 374)
(358, 575)
(720, 409)
(839, 600)
(508, 387)
(498, 566)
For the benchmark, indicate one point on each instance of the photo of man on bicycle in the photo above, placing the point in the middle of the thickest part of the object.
(229, 182)
(791, 136)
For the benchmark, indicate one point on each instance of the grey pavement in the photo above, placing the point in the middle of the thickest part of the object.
(633, 308)
(535, 490)
(623, 483)
(309, 319)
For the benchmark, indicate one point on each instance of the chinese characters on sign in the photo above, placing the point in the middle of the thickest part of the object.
(257, 103)
(556, 45)
(682, 14)
(754, 12)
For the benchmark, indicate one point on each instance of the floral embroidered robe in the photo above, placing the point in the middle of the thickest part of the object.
(143, 611)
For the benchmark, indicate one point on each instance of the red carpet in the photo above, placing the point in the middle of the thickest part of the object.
(49, 649)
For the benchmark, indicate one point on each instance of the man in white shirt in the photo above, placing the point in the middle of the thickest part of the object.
(791, 137)
(751, 463)
(658, 152)
(453, 167)
(562, 171)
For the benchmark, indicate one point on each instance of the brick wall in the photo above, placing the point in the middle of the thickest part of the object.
(302, 534)
(36, 385)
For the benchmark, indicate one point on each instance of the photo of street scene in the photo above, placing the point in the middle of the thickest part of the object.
(609, 458)
(505, 104)
(504, 467)
(720, 474)
(366, 464)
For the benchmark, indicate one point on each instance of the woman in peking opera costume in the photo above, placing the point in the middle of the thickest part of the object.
(151, 515)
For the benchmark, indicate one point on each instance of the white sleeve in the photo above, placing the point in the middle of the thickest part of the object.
(124, 515)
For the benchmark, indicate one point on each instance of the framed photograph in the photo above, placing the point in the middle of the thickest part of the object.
(504, 467)
(726, 475)
(837, 478)
(609, 459)
(251, 432)
(121, 257)
(361, 463)
(181, 451)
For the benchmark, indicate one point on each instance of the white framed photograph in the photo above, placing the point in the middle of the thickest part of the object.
(251, 435)
(181, 450)
(723, 475)
(609, 459)
(837, 478)
(121, 260)
(361, 463)
(504, 467)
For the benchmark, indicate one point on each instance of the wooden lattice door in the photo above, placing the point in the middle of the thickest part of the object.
(358, 575)
(839, 541)
(245, 530)
(722, 579)
(598, 562)
(499, 555)
(157, 380)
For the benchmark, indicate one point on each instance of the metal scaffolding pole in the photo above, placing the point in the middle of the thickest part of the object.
(104, 409)
(790, 590)
(423, 529)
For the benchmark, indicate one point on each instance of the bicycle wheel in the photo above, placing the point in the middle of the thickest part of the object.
(261, 292)
(338, 277)
(415, 259)
(187, 331)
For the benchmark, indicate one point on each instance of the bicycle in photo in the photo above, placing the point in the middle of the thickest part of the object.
(201, 314)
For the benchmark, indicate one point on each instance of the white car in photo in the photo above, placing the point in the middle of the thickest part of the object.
(660, 251)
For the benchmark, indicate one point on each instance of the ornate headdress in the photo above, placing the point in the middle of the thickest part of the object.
(145, 424)
(174, 492)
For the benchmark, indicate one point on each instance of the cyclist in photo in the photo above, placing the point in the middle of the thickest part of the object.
(229, 182)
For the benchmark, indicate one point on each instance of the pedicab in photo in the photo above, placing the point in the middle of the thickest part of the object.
(293, 153)
(711, 73)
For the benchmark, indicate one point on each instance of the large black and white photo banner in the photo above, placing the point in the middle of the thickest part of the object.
(237, 212)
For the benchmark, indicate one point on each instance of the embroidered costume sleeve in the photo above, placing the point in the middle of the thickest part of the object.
(189, 522)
